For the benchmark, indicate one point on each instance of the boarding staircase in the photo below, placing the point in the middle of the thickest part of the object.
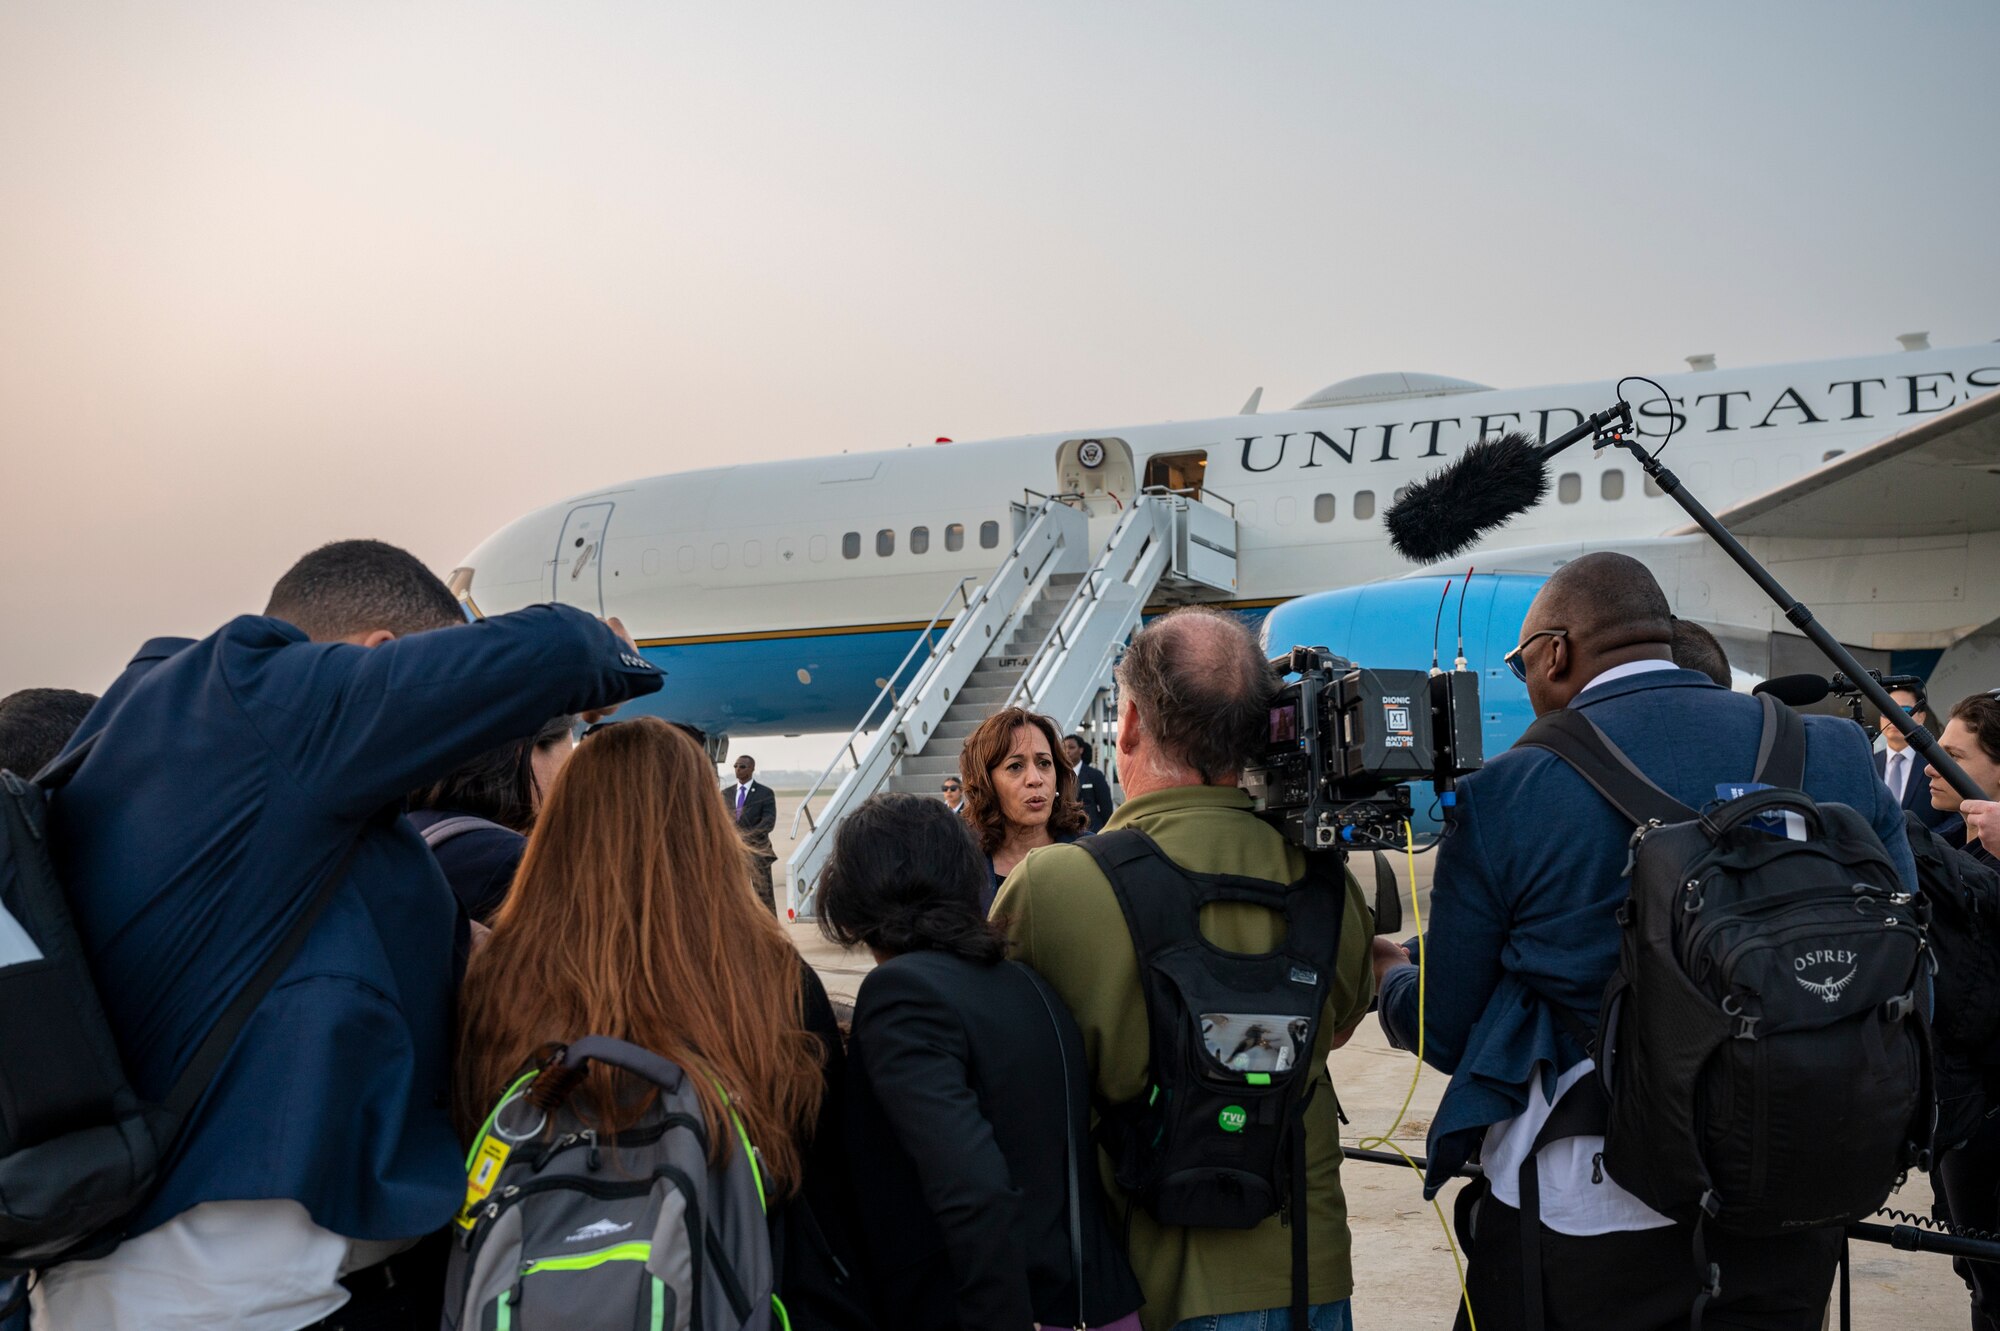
(1043, 632)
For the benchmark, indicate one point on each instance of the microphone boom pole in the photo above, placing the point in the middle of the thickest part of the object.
(1801, 617)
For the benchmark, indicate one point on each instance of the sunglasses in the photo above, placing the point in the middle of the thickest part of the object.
(1513, 658)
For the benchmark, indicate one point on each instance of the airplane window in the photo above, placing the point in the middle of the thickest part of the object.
(954, 536)
(850, 545)
(1364, 503)
(885, 542)
(989, 535)
(1653, 491)
(753, 553)
(1285, 510)
(1323, 508)
(1611, 485)
(1401, 490)
(1832, 453)
(920, 540)
(816, 548)
(1569, 488)
(718, 556)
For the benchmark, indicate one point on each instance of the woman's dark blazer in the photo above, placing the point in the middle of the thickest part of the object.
(956, 1103)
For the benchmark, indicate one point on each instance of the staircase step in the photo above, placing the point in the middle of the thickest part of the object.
(986, 677)
(928, 765)
(913, 785)
(992, 697)
(957, 728)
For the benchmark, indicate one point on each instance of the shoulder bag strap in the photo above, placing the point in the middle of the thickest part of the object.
(1575, 738)
(1069, 1142)
(445, 829)
(194, 1080)
(1781, 749)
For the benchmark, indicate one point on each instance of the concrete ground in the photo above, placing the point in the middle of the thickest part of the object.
(1404, 1275)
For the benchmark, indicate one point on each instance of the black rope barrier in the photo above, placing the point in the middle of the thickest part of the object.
(1911, 1234)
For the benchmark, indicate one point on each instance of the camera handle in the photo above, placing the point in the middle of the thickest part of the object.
(1920, 739)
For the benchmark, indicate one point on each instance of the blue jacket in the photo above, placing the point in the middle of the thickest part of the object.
(230, 776)
(1530, 874)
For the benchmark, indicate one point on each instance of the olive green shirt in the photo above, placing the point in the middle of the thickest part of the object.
(1064, 921)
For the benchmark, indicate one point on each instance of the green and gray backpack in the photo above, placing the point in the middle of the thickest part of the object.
(564, 1228)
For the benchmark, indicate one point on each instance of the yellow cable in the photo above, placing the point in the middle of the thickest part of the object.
(1385, 1139)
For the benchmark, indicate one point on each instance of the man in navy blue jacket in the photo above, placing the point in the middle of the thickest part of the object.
(1522, 919)
(228, 778)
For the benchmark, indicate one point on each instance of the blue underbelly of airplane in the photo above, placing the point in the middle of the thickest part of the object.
(806, 681)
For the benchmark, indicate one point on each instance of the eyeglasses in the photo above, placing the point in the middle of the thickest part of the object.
(1513, 658)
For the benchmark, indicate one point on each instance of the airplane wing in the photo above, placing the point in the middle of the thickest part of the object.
(1938, 477)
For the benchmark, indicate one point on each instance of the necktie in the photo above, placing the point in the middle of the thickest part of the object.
(741, 791)
(1899, 773)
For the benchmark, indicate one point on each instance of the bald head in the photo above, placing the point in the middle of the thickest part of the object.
(1600, 611)
(1200, 687)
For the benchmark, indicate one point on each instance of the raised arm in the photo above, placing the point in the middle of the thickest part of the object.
(361, 726)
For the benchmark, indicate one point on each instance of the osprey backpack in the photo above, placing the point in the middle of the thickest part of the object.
(1764, 1046)
(564, 1228)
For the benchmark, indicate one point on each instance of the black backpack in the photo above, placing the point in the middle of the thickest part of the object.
(1218, 1138)
(79, 1150)
(1764, 1044)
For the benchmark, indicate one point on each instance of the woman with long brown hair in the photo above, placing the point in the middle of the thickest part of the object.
(632, 916)
(1020, 793)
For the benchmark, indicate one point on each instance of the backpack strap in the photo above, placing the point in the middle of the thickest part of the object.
(1576, 739)
(193, 1083)
(447, 829)
(1781, 749)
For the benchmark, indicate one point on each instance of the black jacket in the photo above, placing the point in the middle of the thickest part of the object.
(956, 1100)
(758, 817)
(1095, 793)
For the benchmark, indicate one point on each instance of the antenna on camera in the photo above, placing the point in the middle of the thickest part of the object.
(1459, 664)
(1437, 626)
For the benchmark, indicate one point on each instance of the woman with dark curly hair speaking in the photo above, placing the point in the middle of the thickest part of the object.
(1019, 791)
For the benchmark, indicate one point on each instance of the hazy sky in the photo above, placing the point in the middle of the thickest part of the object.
(273, 274)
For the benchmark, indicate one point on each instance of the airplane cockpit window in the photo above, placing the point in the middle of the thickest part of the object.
(1364, 503)
(920, 540)
(1569, 487)
(1180, 472)
(989, 535)
(1612, 484)
(954, 536)
(850, 545)
(885, 542)
(1323, 508)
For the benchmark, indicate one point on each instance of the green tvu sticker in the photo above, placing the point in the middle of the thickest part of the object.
(1232, 1118)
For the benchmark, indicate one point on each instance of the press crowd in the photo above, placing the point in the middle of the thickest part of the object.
(511, 886)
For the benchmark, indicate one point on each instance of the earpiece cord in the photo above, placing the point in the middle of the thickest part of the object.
(1386, 1137)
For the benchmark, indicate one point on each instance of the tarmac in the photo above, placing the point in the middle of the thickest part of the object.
(1405, 1277)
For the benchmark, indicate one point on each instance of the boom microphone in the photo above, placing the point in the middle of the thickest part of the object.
(1448, 511)
(1796, 690)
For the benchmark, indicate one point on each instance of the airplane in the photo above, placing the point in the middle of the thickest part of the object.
(780, 596)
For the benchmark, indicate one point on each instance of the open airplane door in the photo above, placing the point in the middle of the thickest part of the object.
(578, 571)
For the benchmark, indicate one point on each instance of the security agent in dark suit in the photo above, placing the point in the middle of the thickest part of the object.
(755, 810)
(1902, 767)
(1092, 789)
(1524, 937)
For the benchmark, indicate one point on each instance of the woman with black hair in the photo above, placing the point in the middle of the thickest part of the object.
(476, 820)
(968, 1090)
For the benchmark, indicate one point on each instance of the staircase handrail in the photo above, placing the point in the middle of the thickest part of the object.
(888, 691)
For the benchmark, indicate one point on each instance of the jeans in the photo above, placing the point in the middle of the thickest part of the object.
(1320, 1317)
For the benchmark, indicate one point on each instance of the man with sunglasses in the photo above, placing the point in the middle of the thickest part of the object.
(1524, 937)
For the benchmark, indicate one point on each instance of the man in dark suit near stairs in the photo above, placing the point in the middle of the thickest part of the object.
(755, 810)
(1901, 767)
(1091, 787)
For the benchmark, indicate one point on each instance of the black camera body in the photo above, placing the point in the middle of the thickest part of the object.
(1345, 742)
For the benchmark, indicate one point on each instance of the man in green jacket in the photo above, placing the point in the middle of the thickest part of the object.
(1193, 695)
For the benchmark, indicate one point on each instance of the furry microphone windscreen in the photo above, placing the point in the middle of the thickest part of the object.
(1448, 511)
